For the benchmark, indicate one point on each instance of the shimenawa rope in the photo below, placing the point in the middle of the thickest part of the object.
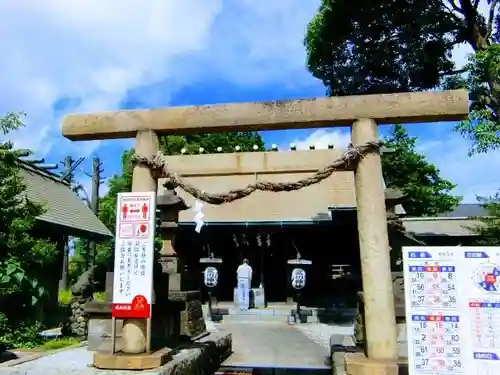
(348, 160)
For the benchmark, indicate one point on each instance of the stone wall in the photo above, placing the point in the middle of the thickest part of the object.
(192, 323)
(77, 325)
(179, 319)
(399, 304)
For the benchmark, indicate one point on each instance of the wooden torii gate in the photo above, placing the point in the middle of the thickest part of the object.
(364, 113)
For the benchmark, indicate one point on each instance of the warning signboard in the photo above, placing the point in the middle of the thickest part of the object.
(134, 253)
(132, 208)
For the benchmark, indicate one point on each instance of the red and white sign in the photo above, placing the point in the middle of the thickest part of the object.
(135, 208)
(134, 255)
(142, 230)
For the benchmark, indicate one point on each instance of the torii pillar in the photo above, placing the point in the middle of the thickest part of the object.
(380, 319)
(364, 113)
(134, 331)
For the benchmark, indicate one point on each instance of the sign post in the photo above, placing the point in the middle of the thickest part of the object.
(134, 257)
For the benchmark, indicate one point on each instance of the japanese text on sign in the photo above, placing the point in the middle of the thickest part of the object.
(453, 310)
(134, 253)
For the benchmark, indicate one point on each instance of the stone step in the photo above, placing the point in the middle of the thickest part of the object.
(263, 318)
(341, 311)
(281, 314)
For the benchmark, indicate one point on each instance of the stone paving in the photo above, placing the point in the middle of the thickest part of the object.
(320, 333)
(274, 345)
(259, 344)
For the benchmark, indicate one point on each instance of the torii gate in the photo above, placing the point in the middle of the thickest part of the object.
(363, 112)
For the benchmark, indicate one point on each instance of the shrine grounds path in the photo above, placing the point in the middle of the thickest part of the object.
(301, 348)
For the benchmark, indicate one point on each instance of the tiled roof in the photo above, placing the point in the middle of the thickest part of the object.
(467, 210)
(455, 223)
(63, 207)
(439, 226)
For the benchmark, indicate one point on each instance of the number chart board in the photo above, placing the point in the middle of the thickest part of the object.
(452, 299)
(134, 254)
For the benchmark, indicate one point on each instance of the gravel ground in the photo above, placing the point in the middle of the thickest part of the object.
(70, 362)
(64, 362)
(77, 361)
(211, 326)
(320, 333)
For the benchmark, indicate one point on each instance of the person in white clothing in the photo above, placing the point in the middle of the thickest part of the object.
(244, 279)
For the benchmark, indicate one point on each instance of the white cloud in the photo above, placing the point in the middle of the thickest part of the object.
(92, 50)
(262, 41)
(322, 138)
(97, 50)
(474, 176)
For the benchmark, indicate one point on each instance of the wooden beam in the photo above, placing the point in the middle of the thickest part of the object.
(253, 163)
(280, 115)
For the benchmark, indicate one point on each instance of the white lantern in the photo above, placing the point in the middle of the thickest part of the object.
(211, 276)
(298, 278)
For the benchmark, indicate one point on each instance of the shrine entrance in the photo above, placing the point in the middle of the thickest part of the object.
(361, 162)
(268, 248)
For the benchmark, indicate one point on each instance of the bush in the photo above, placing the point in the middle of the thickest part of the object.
(14, 335)
(59, 343)
(100, 296)
(24, 258)
(65, 296)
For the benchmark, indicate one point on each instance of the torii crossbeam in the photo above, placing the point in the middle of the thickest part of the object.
(279, 115)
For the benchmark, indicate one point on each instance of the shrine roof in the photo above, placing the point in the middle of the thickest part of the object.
(330, 199)
(219, 173)
(441, 226)
(65, 212)
(466, 210)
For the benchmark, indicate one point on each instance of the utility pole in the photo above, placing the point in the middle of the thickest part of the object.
(64, 282)
(68, 166)
(94, 206)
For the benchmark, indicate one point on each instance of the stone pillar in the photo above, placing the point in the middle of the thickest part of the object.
(170, 260)
(169, 205)
(134, 330)
(380, 322)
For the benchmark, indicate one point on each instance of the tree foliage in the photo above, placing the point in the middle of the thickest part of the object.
(366, 47)
(428, 194)
(23, 258)
(489, 231)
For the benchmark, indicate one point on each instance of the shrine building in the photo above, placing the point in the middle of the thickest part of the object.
(316, 223)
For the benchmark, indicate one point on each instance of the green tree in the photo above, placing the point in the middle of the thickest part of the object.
(489, 231)
(366, 47)
(428, 194)
(23, 257)
(169, 145)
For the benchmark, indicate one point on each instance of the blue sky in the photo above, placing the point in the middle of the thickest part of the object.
(78, 56)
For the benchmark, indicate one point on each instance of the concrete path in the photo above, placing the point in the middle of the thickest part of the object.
(273, 345)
